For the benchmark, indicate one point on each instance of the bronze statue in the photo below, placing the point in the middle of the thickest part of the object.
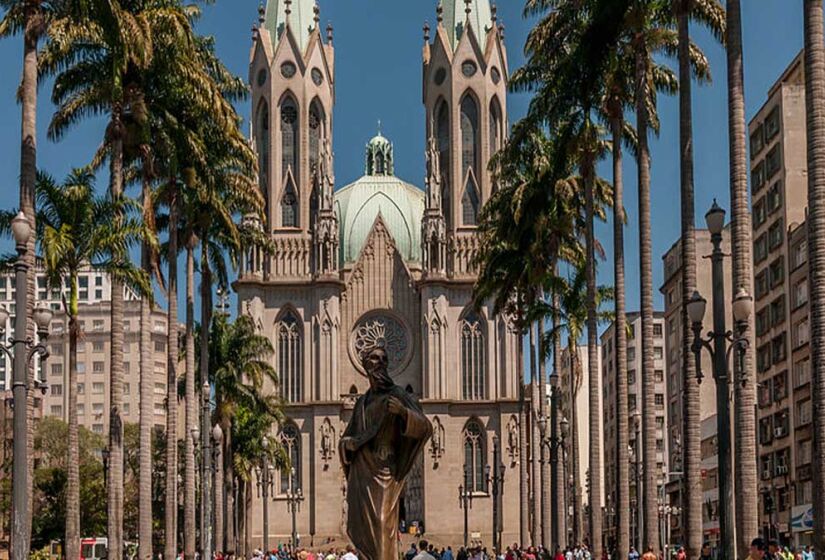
(384, 438)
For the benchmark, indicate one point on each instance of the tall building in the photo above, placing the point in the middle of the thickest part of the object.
(381, 261)
(93, 351)
(634, 403)
(779, 189)
(674, 336)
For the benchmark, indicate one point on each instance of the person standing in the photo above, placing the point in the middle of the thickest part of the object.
(423, 553)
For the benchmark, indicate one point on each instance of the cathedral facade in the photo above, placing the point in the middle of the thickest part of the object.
(382, 261)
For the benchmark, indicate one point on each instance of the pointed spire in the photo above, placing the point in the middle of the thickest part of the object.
(426, 31)
(316, 10)
(440, 12)
(494, 14)
(501, 30)
(287, 9)
(468, 8)
(261, 13)
(329, 33)
(379, 127)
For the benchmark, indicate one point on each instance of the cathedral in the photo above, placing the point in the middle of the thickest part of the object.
(382, 261)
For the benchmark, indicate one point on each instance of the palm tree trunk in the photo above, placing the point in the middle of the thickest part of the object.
(595, 398)
(535, 528)
(747, 508)
(191, 410)
(28, 176)
(575, 465)
(691, 401)
(622, 501)
(73, 457)
(558, 473)
(650, 505)
(171, 547)
(147, 413)
(230, 525)
(815, 106)
(544, 460)
(524, 490)
(115, 498)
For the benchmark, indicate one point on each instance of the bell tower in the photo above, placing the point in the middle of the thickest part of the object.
(292, 75)
(465, 88)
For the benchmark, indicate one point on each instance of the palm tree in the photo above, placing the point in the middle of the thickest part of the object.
(76, 230)
(747, 507)
(815, 106)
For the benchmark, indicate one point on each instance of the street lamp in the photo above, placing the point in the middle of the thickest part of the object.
(716, 343)
(465, 497)
(264, 489)
(21, 350)
(495, 478)
(217, 535)
(294, 497)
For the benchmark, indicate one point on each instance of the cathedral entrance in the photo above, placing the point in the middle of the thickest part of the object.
(411, 510)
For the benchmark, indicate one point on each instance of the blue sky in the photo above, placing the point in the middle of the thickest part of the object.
(378, 71)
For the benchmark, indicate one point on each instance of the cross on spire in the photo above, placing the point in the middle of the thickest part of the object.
(468, 9)
(287, 9)
(379, 127)
(261, 12)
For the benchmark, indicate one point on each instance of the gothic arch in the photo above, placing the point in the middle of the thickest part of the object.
(472, 345)
(289, 355)
(443, 136)
(470, 128)
(317, 132)
(496, 126)
(290, 436)
(289, 115)
(474, 445)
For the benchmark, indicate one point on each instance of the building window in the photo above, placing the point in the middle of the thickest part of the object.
(97, 346)
(801, 333)
(772, 124)
(803, 413)
(57, 369)
(97, 388)
(160, 389)
(758, 176)
(469, 161)
(802, 372)
(291, 441)
(776, 235)
(760, 248)
(780, 350)
(81, 388)
(496, 132)
(316, 134)
(289, 206)
(57, 390)
(290, 359)
(757, 141)
(800, 254)
(127, 389)
(442, 118)
(473, 373)
(777, 272)
(657, 330)
(81, 409)
(773, 162)
(800, 294)
(160, 346)
(474, 476)
(778, 311)
(774, 197)
(289, 137)
(97, 408)
(263, 148)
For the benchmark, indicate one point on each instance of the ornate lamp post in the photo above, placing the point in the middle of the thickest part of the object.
(716, 345)
(264, 490)
(294, 497)
(21, 350)
(555, 445)
(217, 534)
(465, 497)
(495, 479)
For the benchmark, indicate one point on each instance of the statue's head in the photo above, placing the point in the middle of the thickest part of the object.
(376, 364)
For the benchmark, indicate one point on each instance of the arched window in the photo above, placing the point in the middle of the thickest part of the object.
(474, 476)
(496, 133)
(473, 371)
(290, 359)
(379, 163)
(470, 203)
(469, 136)
(442, 119)
(317, 127)
(291, 440)
(263, 147)
(289, 206)
(289, 137)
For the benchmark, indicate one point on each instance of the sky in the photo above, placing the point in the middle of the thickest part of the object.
(378, 77)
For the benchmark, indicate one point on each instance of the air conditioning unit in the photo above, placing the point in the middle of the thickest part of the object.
(778, 432)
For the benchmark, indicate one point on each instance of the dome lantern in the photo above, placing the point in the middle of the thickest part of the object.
(379, 156)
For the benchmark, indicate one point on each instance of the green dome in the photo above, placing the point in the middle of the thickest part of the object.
(400, 205)
(301, 20)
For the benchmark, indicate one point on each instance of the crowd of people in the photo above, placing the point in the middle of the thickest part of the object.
(761, 549)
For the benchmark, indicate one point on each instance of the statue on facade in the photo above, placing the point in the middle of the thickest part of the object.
(384, 438)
